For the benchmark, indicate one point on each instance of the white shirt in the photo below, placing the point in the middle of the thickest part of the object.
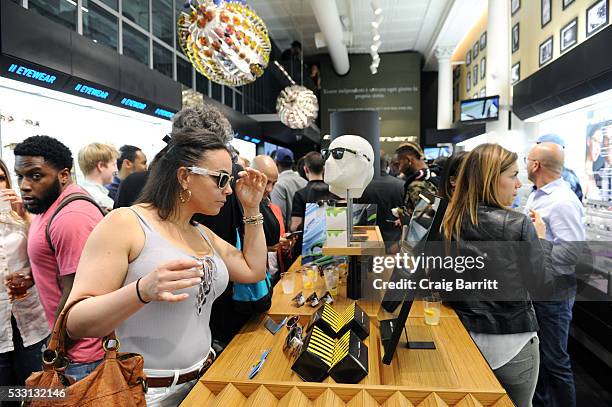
(99, 193)
(28, 313)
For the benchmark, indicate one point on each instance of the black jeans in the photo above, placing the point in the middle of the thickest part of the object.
(17, 365)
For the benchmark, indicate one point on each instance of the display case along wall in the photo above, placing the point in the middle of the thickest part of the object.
(549, 28)
(470, 65)
(27, 110)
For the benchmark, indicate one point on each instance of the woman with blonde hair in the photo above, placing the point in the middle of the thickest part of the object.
(479, 211)
(22, 320)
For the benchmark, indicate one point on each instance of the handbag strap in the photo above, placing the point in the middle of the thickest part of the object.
(56, 346)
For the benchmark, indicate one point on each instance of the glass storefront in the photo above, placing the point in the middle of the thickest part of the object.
(100, 25)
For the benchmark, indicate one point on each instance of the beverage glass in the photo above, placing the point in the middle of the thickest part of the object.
(331, 274)
(17, 282)
(309, 276)
(288, 282)
(432, 305)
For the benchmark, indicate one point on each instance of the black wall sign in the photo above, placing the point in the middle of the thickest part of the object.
(31, 73)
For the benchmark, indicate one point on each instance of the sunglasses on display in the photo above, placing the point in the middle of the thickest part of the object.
(222, 178)
(338, 153)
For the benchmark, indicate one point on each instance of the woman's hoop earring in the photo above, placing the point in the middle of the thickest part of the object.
(185, 200)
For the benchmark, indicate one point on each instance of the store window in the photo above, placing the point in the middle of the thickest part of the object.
(183, 72)
(238, 97)
(201, 84)
(137, 11)
(61, 11)
(111, 3)
(99, 25)
(217, 91)
(163, 20)
(162, 59)
(229, 96)
(135, 45)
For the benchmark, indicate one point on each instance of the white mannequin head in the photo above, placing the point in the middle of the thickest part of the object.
(346, 170)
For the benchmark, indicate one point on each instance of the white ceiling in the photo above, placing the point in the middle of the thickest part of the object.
(408, 25)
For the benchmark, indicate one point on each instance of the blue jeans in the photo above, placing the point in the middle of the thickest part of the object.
(555, 386)
(78, 371)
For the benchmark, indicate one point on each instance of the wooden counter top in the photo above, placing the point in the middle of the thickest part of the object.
(454, 374)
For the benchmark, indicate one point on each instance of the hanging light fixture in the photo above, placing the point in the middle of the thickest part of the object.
(225, 40)
(297, 107)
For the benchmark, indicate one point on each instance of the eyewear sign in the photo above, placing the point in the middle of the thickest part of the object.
(34, 74)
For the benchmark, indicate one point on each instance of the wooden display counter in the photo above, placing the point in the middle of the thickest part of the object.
(372, 244)
(453, 374)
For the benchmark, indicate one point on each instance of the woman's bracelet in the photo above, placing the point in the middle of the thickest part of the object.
(253, 220)
(138, 293)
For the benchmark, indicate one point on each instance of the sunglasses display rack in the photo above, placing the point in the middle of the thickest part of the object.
(344, 359)
(335, 324)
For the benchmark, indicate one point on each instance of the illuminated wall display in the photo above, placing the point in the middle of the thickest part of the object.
(23, 71)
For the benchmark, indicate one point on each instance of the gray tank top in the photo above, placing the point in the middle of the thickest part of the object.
(172, 336)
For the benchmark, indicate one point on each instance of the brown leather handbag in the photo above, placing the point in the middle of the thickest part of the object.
(118, 381)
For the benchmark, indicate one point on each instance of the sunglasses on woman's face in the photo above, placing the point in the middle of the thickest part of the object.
(222, 178)
(338, 153)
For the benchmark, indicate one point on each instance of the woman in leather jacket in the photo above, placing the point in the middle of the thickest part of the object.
(479, 211)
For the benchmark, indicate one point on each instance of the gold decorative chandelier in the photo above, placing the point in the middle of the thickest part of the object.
(225, 40)
(297, 107)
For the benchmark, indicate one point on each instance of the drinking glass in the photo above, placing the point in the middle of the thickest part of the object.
(432, 309)
(331, 274)
(288, 282)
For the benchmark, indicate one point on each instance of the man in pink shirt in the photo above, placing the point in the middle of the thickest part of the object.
(42, 165)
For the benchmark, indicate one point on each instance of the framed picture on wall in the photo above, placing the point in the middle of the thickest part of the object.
(483, 92)
(545, 12)
(515, 38)
(515, 6)
(596, 17)
(475, 50)
(475, 75)
(546, 51)
(567, 3)
(483, 68)
(468, 81)
(516, 73)
(569, 35)
(468, 57)
(483, 41)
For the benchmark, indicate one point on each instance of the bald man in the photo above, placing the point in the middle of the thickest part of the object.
(563, 214)
(274, 224)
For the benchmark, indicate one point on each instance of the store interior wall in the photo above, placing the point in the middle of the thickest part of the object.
(532, 34)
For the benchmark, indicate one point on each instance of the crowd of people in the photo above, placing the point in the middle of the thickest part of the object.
(199, 221)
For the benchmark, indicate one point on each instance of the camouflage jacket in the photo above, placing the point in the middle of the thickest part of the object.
(413, 189)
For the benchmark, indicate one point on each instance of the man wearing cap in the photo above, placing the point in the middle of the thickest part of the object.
(288, 183)
(418, 176)
(568, 175)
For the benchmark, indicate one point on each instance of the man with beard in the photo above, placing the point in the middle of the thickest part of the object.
(419, 177)
(43, 165)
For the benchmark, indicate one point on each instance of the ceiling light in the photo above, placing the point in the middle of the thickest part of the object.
(373, 69)
(373, 48)
(297, 107)
(226, 41)
(375, 24)
(376, 37)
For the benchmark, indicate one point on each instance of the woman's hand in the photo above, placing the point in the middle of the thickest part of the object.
(16, 202)
(169, 277)
(250, 188)
(539, 224)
